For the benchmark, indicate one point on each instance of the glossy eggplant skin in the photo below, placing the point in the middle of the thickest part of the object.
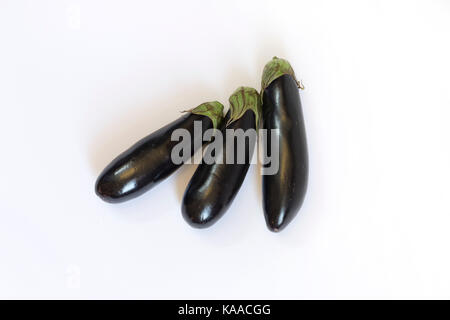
(284, 192)
(213, 187)
(146, 163)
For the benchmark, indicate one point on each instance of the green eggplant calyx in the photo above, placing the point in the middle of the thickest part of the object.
(213, 110)
(274, 69)
(243, 99)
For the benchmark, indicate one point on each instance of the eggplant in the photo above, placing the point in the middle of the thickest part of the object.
(213, 186)
(149, 161)
(284, 191)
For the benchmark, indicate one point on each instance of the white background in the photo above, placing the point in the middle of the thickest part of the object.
(80, 81)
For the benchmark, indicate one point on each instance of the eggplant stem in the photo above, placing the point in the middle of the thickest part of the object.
(300, 85)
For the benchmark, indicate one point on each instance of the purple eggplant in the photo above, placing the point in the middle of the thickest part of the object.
(284, 191)
(149, 161)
